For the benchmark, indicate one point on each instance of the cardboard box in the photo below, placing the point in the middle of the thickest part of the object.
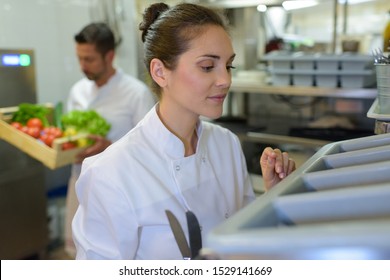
(53, 157)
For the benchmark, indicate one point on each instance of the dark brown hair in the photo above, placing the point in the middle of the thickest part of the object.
(98, 34)
(168, 31)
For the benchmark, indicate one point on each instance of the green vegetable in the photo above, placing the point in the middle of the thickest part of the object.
(58, 115)
(27, 111)
(86, 121)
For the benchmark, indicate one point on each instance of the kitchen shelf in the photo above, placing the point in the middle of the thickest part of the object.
(242, 85)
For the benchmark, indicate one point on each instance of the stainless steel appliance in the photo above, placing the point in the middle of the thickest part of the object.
(335, 206)
(23, 215)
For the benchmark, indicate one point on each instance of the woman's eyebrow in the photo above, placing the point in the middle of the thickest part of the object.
(217, 56)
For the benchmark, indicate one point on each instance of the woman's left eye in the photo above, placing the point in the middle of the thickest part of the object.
(207, 68)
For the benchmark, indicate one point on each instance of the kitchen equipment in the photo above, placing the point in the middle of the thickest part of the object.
(383, 86)
(191, 250)
(24, 230)
(379, 57)
(335, 206)
(179, 235)
(194, 232)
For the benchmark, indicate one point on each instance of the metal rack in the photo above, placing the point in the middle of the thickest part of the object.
(335, 206)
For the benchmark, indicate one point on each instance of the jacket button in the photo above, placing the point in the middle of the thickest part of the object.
(177, 167)
(226, 215)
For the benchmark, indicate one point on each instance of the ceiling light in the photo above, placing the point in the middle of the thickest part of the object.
(262, 8)
(293, 5)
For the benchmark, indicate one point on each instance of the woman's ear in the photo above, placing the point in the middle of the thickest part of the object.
(158, 72)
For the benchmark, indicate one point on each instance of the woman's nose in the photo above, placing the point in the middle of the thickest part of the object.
(224, 78)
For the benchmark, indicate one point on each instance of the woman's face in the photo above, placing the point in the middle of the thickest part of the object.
(201, 80)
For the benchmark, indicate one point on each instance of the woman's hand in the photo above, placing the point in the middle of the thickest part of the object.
(99, 146)
(275, 166)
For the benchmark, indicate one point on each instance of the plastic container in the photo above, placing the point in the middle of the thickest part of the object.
(302, 61)
(357, 79)
(303, 77)
(327, 62)
(355, 62)
(326, 79)
(281, 78)
(279, 60)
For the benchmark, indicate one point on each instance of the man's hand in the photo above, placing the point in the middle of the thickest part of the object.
(275, 166)
(99, 146)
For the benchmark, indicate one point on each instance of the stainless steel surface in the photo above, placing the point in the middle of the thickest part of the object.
(17, 83)
(23, 215)
(267, 138)
(179, 235)
(335, 206)
(194, 234)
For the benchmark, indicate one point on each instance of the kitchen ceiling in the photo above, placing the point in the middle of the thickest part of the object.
(242, 3)
(249, 3)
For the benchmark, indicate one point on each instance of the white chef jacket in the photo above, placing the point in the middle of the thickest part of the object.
(124, 191)
(123, 101)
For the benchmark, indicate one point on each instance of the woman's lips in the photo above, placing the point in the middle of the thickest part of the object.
(218, 98)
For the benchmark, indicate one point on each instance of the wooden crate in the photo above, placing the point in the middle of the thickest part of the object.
(52, 157)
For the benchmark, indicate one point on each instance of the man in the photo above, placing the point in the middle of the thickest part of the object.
(121, 99)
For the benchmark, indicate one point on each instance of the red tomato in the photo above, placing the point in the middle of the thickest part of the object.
(24, 129)
(52, 130)
(34, 131)
(17, 125)
(55, 131)
(68, 145)
(47, 139)
(46, 130)
(35, 122)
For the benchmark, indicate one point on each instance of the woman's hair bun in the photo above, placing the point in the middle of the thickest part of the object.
(150, 15)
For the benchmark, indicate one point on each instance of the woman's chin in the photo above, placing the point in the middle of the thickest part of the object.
(213, 115)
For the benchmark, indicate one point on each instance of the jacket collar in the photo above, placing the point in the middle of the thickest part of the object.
(165, 139)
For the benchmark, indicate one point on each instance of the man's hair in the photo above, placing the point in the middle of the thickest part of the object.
(98, 34)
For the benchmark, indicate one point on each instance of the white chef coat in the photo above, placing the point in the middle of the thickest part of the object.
(123, 101)
(124, 191)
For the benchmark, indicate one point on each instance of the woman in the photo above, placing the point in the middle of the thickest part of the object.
(171, 160)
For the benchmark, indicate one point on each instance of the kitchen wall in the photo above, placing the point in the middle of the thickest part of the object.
(364, 22)
(48, 26)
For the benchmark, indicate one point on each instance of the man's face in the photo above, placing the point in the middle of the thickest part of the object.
(92, 63)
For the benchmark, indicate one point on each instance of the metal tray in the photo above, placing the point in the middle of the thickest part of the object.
(373, 112)
(335, 206)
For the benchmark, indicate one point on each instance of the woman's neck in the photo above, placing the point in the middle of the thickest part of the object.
(183, 128)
